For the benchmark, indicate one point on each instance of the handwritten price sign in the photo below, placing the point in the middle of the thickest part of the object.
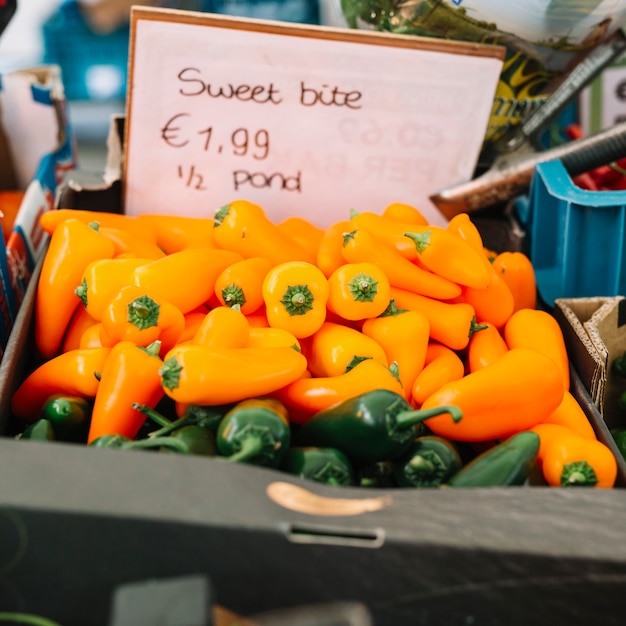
(303, 120)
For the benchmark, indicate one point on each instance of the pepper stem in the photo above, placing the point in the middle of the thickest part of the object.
(154, 415)
(251, 446)
(27, 618)
(421, 240)
(578, 474)
(405, 419)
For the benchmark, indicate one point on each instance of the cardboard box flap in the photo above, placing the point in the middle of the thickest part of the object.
(572, 314)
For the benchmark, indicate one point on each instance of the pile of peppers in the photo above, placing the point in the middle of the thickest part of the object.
(379, 351)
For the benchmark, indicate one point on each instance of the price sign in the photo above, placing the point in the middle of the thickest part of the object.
(303, 120)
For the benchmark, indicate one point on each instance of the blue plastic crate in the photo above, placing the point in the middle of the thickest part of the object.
(577, 238)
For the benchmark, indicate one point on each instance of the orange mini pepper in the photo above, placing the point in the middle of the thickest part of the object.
(174, 233)
(441, 365)
(569, 413)
(485, 347)
(223, 327)
(135, 315)
(513, 394)
(130, 375)
(303, 232)
(242, 284)
(195, 374)
(363, 246)
(329, 250)
(450, 257)
(569, 460)
(451, 323)
(102, 279)
(185, 278)
(358, 291)
(74, 372)
(334, 349)
(50, 220)
(92, 337)
(295, 295)
(267, 337)
(401, 212)
(518, 272)
(73, 245)
(128, 243)
(537, 329)
(244, 227)
(404, 336)
(80, 322)
(307, 395)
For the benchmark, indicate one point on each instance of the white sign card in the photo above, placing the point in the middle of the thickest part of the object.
(303, 120)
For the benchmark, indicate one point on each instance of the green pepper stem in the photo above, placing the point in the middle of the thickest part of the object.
(578, 474)
(158, 442)
(27, 618)
(251, 446)
(404, 419)
(154, 415)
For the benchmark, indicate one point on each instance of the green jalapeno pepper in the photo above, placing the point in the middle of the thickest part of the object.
(69, 416)
(323, 465)
(430, 461)
(255, 431)
(207, 416)
(39, 430)
(374, 426)
(618, 366)
(379, 474)
(508, 463)
(198, 439)
(619, 435)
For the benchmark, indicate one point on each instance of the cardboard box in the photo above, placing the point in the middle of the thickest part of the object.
(36, 149)
(92, 520)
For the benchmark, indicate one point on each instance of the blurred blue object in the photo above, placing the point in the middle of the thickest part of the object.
(94, 64)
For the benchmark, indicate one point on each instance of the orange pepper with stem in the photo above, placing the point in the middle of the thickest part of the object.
(74, 372)
(404, 337)
(513, 394)
(303, 232)
(223, 327)
(569, 413)
(130, 375)
(451, 323)
(307, 395)
(135, 315)
(174, 233)
(537, 329)
(102, 279)
(335, 349)
(72, 246)
(329, 254)
(50, 220)
(186, 278)
(485, 347)
(358, 291)
(568, 460)
(194, 374)
(362, 246)
(518, 272)
(449, 256)
(295, 295)
(441, 365)
(244, 227)
(391, 232)
(401, 212)
(241, 283)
